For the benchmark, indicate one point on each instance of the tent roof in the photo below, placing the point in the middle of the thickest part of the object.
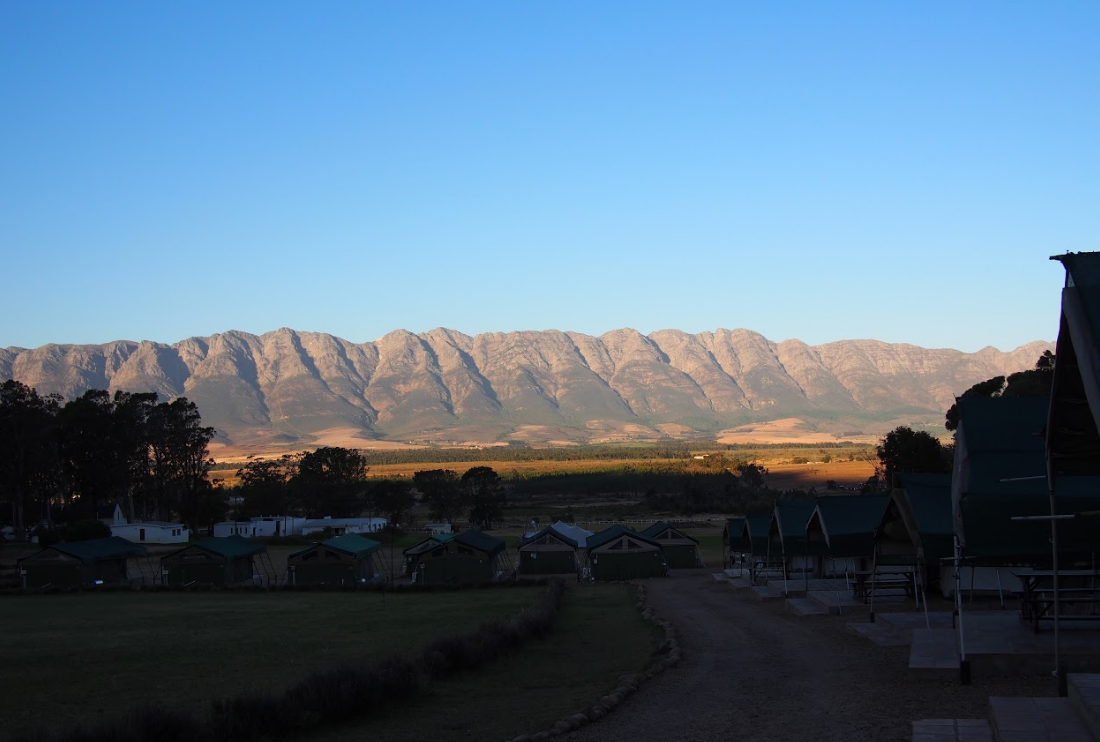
(548, 531)
(757, 526)
(610, 534)
(230, 547)
(1072, 435)
(578, 534)
(848, 522)
(790, 518)
(1000, 472)
(480, 541)
(348, 543)
(99, 549)
(734, 527)
(660, 527)
(430, 542)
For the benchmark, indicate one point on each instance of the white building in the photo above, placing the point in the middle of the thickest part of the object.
(267, 526)
(340, 526)
(152, 532)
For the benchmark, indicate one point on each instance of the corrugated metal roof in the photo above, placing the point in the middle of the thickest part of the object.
(348, 543)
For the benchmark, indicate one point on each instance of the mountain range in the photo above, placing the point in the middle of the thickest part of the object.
(547, 387)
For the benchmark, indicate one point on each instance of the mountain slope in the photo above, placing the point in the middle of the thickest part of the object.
(526, 386)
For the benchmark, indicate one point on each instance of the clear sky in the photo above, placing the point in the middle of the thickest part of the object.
(823, 171)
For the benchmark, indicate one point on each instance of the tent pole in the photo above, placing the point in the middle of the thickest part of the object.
(874, 574)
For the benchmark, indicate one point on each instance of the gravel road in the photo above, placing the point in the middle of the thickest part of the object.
(752, 671)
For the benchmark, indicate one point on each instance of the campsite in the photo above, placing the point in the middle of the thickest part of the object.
(955, 597)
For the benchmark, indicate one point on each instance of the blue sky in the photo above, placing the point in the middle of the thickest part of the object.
(825, 171)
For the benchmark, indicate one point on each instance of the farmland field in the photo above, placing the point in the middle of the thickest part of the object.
(77, 657)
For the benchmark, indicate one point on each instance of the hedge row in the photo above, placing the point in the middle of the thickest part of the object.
(364, 587)
(327, 697)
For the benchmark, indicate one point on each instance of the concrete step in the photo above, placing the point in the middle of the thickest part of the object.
(934, 654)
(1036, 720)
(765, 593)
(739, 584)
(719, 576)
(1084, 693)
(952, 730)
(806, 607)
(877, 633)
(837, 602)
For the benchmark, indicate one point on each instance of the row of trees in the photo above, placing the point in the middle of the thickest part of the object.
(69, 459)
(333, 480)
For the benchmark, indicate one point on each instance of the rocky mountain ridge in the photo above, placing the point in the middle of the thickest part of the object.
(533, 387)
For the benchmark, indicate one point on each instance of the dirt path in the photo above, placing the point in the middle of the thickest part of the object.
(752, 672)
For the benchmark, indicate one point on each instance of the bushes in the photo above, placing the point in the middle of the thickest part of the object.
(330, 696)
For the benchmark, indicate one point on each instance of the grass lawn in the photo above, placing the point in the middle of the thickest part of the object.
(599, 635)
(74, 658)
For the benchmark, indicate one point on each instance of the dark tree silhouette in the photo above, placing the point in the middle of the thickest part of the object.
(442, 493)
(29, 466)
(485, 495)
(331, 481)
(912, 451)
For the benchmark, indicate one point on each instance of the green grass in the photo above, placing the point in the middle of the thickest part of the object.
(598, 636)
(75, 658)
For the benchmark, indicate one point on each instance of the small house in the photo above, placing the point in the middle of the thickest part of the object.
(618, 553)
(468, 557)
(110, 514)
(435, 528)
(548, 552)
(153, 532)
(100, 561)
(681, 550)
(340, 560)
(266, 526)
(217, 561)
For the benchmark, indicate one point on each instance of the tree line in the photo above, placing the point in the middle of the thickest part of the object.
(68, 460)
(334, 480)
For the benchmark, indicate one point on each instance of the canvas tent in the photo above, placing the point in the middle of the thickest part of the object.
(469, 557)
(755, 543)
(340, 560)
(217, 561)
(411, 555)
(1000, 473)
(548, 552)
(787, 535)
(731, 541)
(578, 534)
(681, 550)
(917, 523)
(80, 563)
(618, 553)
(843, 527)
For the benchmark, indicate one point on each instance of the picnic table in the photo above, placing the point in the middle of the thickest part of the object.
(866, 583)
(1078, 596)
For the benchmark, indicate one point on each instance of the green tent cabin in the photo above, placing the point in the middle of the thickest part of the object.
(100, 561)
(681, 550)
(618, 553)
(470, 557)
(842, 527)
(217, 561)
(411, 556)
(732, 550)
(755, 543)
(340, 560)
(548, 552)
(787, 535)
